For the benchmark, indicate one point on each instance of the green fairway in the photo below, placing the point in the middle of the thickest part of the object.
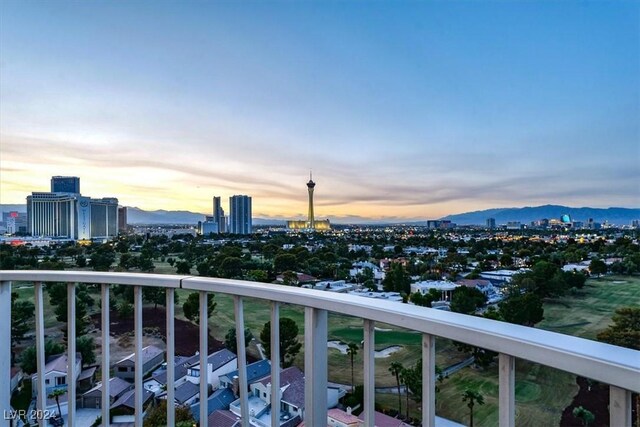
(589, 312)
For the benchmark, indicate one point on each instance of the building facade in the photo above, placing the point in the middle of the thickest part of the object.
(218, 215)
(65, 184)
(69, 215)
(122, 219)
(240, 214)
(52, 215)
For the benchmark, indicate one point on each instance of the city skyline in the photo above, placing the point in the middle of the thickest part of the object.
(410, 111)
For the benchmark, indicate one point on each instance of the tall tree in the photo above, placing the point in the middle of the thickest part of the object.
(472, 397)
(467, 300)
(396, 368)
(522, 309)
(289, 344)
(625, 330)
(397, 279)
(21, 317)
(28, 356)
(231, 342)
(352, 351)
(191, 307)
(597, 267)
(86, 346)
(405, 379)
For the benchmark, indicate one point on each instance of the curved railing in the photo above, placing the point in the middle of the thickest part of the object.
(616, 366)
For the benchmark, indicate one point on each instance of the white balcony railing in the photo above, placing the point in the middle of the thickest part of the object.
(616, 366)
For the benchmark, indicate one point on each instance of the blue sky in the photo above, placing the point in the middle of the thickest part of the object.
(402, 109)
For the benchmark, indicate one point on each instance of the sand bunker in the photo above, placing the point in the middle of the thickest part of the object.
(381, 354)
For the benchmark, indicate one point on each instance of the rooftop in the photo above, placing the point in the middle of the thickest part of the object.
(149, 352)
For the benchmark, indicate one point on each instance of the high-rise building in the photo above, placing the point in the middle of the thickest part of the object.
(240, 214)
(52, 215)
(14, 222)
(122, 219)
(65, 184)
(66, 214)
(104, 218)
(218, 215)
(491, 223)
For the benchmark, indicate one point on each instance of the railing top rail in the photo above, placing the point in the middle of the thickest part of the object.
(602, 362)
(162, 280)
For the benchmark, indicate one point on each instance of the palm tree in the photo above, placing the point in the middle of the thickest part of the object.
(352, 350)
(472, 397)
(396, 368)
(55, 394)
(405, 375)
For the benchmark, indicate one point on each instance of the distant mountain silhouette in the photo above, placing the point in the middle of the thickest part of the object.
(139, 216)
(618, 216)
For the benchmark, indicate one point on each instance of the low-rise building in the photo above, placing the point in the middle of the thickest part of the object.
(218, 401)
(93, 397)
(55, 373)
(219, 363)
(291, 399)
(152, 357)
(255, 372)
(123, 409)
(186, 394)
(158, 381)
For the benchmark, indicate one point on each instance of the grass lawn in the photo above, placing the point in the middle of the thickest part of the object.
(590, 310)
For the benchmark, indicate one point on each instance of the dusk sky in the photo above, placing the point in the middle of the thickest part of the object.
(402, 109)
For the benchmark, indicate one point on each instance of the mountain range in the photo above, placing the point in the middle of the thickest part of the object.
(618, 216)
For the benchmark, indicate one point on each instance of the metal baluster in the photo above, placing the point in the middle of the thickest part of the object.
(369, 373)
(315, 366)
(242, 360)
(428, 380)
(275, 364)
(41, 389)
(507, 390)
(5, 356)
(204, 360)
(71, 354)
(619, 407)
(171, 356)
(106, 401)
(138, 361)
